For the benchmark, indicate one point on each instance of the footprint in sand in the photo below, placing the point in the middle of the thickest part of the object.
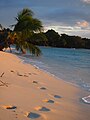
(35, 82)
(25, 75)
(22, 74)
(33, 115)
(12, 71)
(48, 101)
(43, 88)
(19, 74)
(13, 108)
(44, 109)
(57, 96)
(30, 73)
(9, 107)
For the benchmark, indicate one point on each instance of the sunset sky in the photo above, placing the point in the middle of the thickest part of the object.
(64, 16)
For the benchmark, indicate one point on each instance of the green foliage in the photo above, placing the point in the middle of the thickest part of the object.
(66, 41)
(4, 38)
(26, 27)
(53, 38)
(23, 13)
(38, 39)
(22, 44)
(26, 36)
(25, 31)
(26, 22)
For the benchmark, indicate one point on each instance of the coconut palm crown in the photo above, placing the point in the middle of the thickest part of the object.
(25, 28)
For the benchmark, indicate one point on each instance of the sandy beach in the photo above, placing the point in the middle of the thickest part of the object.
(28, 93)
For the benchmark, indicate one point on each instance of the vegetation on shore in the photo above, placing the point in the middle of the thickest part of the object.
(23, 34)
(66, 41)
(28, 33)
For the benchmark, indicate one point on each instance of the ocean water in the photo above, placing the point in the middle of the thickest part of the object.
(71, 65)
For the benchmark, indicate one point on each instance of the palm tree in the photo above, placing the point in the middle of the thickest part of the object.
(25, 27)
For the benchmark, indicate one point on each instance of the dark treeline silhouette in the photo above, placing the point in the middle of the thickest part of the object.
(25, 30)
(49, 38)
(28, 32)
(4, 38)
(66, 41)
(53, 39)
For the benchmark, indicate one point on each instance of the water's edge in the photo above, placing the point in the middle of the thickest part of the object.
(69, 65)
(85, 99)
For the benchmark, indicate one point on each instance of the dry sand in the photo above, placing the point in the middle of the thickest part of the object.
(28, 93)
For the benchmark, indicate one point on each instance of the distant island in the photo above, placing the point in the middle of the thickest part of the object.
(65, 41)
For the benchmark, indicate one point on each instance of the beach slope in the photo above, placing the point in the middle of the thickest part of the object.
(28, 93)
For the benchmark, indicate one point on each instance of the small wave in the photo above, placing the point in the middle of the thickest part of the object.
(74, 70)
(86, 99)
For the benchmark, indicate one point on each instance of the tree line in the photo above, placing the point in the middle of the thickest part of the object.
(28, 34)
(24, 31)
(48, 38)
(66, 41)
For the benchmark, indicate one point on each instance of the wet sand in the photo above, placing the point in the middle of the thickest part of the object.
(28, 93)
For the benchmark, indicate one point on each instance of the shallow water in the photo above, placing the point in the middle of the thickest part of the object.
(71, 65)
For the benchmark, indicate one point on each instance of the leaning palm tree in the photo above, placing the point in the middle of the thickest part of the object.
(25, 27)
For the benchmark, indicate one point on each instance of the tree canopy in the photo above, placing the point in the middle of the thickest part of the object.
(26, 22)
(25, 28)
(28, 33)
(66, 41)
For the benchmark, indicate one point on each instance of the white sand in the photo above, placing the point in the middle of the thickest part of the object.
(28, 93)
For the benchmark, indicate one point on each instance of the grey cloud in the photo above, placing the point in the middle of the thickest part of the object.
(40, 3)
(86, 1)
(67, 16)
(57, 12)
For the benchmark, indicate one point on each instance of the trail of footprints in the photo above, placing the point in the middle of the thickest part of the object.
(34, 115)
(21, 74)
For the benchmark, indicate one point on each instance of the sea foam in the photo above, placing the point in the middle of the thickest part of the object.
(86, 99)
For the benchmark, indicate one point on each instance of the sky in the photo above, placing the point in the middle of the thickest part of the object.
(71, 17)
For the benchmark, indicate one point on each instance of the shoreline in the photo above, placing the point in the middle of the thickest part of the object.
(57, 78)
(51, 74)
(35, 94)
(73, 71)
(84, 99)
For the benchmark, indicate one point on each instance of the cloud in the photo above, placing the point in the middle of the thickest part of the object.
(83, 24)
(72, 16)
(67, 16)
(86, 1)
(75, 30)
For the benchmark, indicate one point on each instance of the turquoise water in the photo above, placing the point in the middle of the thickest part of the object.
(71, 65)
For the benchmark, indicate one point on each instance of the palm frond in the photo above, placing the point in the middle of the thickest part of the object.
(25, 27)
